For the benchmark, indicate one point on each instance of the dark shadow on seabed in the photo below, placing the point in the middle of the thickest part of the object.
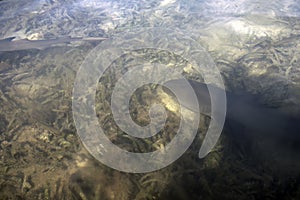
(274, 130)
(258, 156)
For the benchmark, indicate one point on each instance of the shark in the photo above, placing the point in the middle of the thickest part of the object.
(11, 44)
(274, 132)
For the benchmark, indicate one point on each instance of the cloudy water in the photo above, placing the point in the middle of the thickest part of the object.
(59, 58)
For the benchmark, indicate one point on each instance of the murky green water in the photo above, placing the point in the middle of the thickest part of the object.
(255, 45)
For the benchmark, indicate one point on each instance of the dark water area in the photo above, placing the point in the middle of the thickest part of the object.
(255, 45)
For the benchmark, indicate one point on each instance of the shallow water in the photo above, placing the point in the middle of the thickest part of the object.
(254, 44)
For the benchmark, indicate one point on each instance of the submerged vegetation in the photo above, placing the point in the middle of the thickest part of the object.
(42, 157)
